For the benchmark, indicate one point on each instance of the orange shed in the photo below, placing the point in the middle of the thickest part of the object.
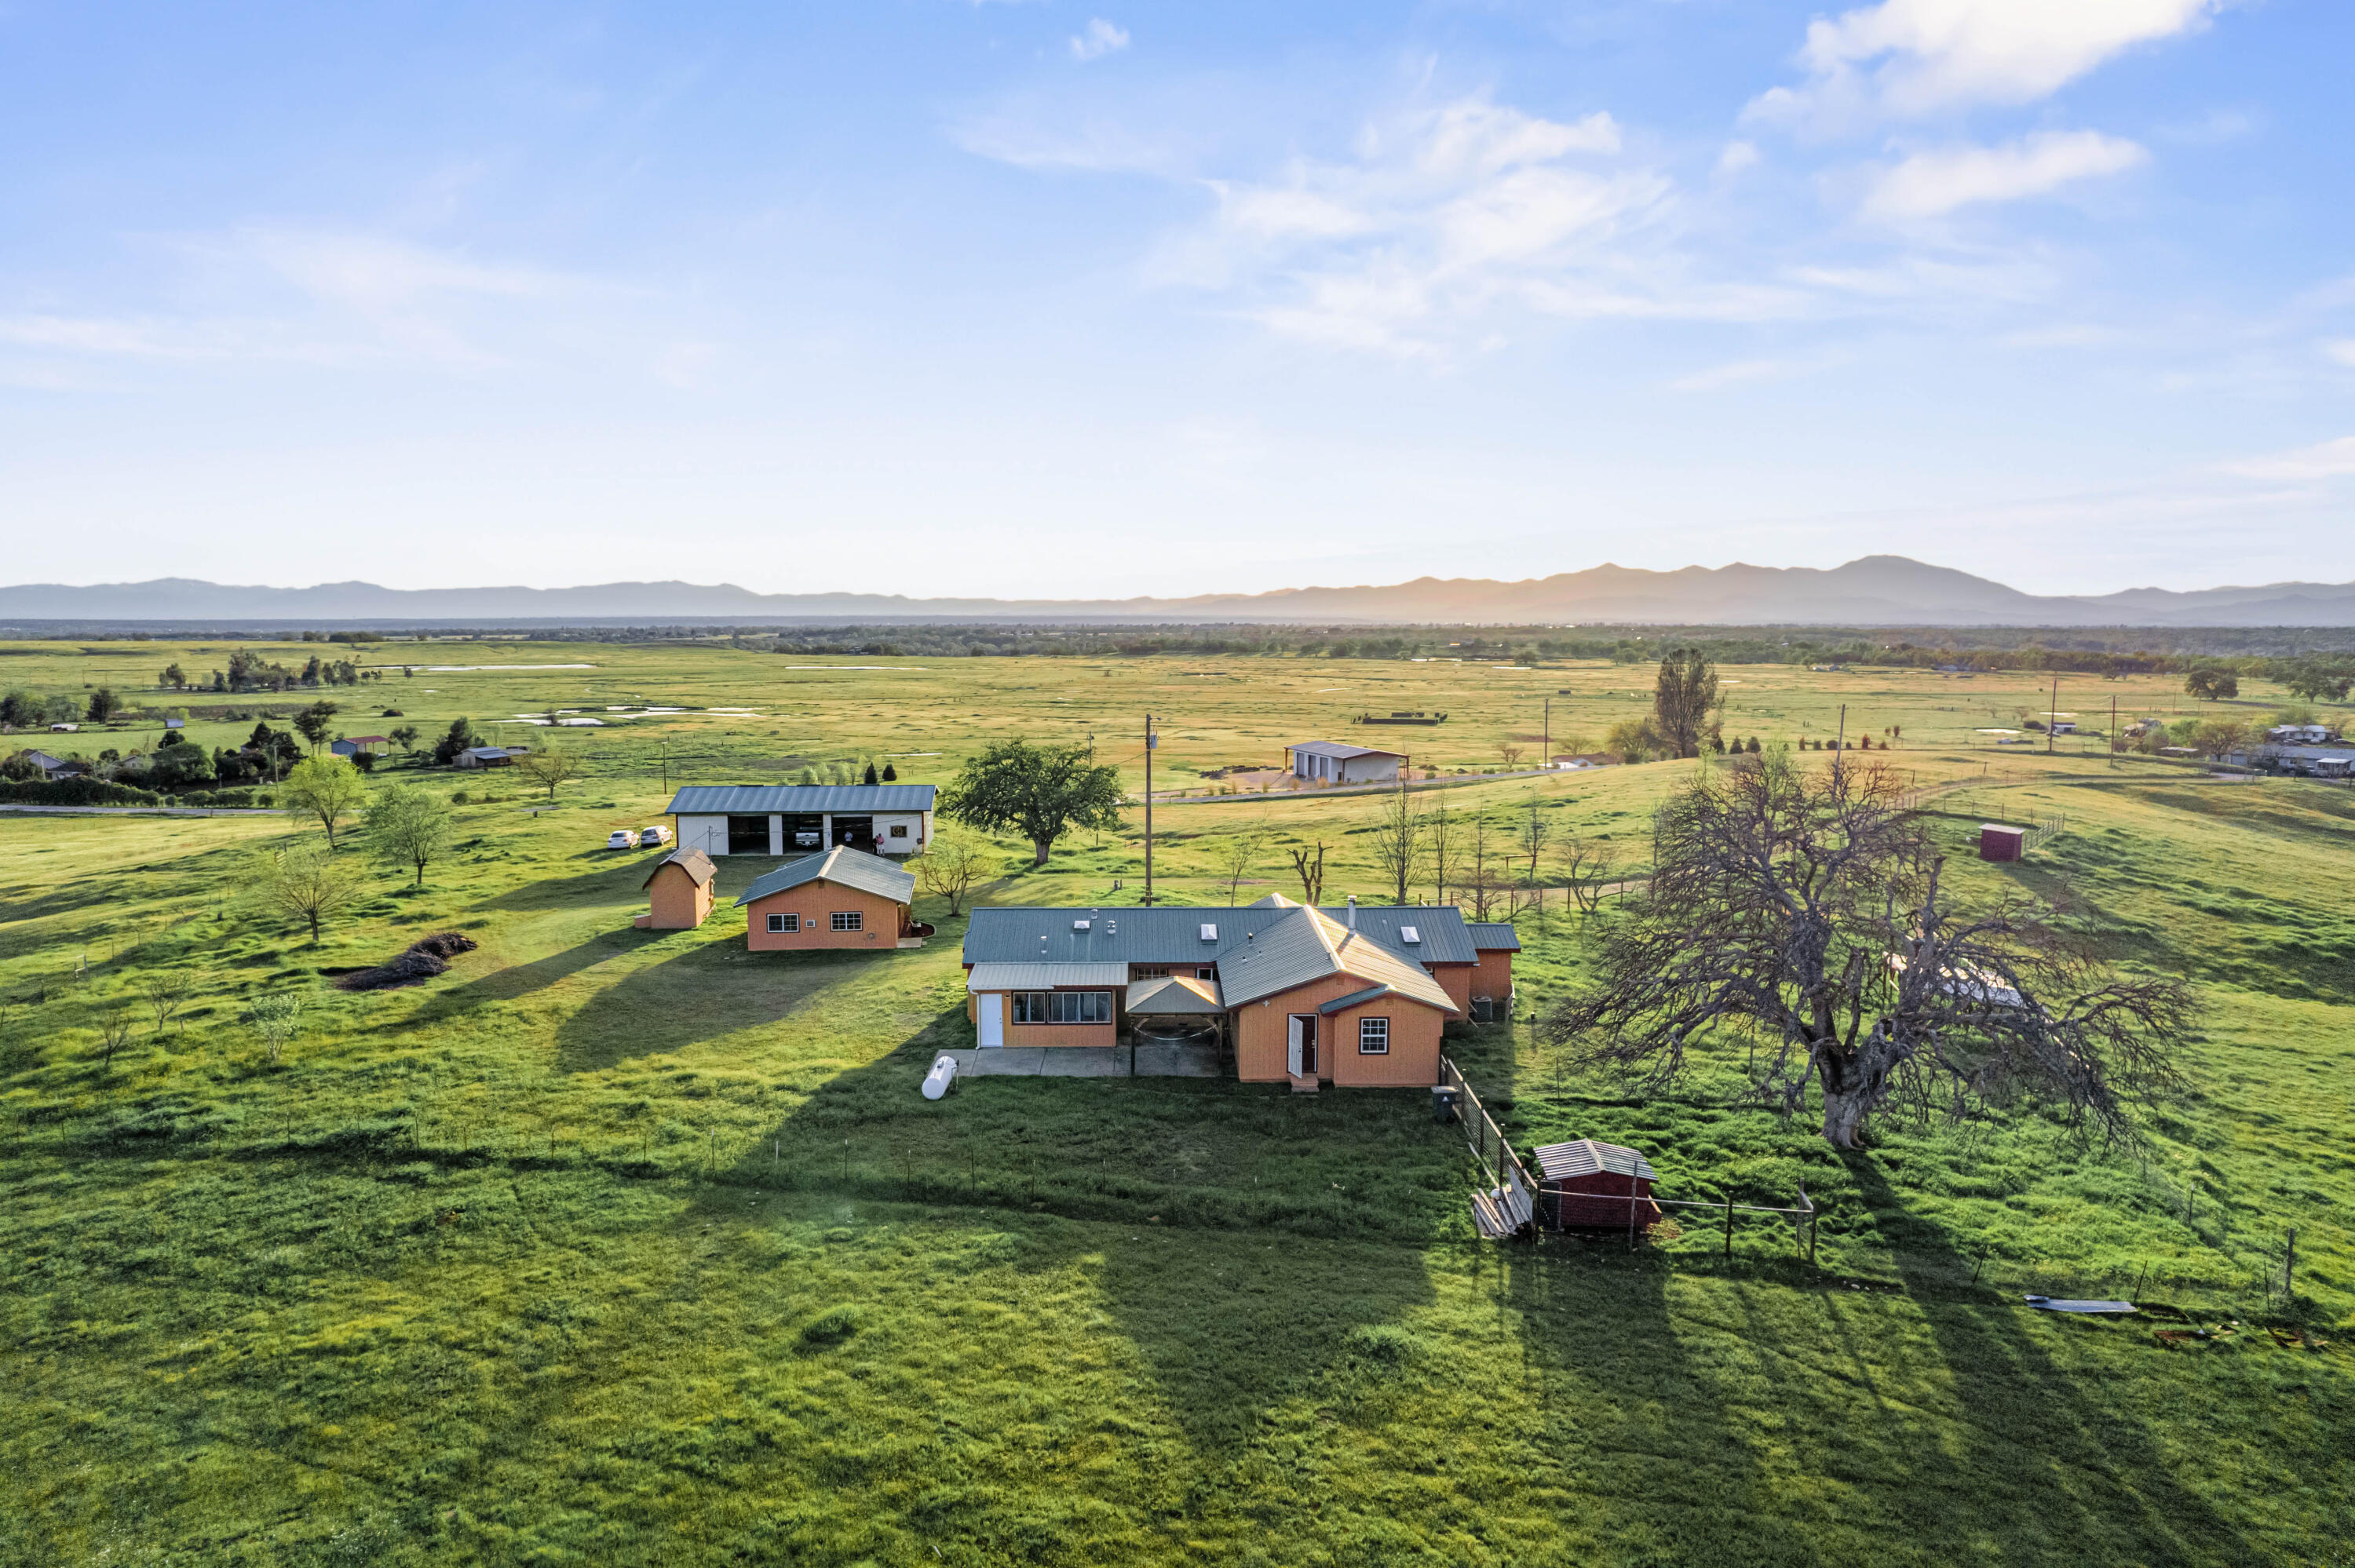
(679, 892)
(843, 898)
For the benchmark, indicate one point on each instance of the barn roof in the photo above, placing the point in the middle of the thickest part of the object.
(1339, 750)
(1585, 1157)
(693, 862)
(843, 866)
(759, 800)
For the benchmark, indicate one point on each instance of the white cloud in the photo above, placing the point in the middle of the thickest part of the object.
(2342, 351)
(1906, 58)
(1740, 372)
(1098, 39)
(1928, 185)
(2328, 459)
(1737, 156)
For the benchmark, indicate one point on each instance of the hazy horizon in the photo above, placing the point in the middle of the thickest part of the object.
(1045, 301)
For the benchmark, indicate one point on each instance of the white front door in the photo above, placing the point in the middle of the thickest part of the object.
(1300, 1046)
(992, 1009)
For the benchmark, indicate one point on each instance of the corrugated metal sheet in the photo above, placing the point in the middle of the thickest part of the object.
(1341, 1004)
(843, 866)
(1563, 1161)
(693, 861)
(1175, 995)
(1340, 751)
(1494, 936)
(1172, 934)
(758, 800)
(1043, 976)
(1307, 945)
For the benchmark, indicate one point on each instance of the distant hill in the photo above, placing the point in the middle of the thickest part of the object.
(1875, 590)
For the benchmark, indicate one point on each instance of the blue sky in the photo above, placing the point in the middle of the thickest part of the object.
(1093, 299)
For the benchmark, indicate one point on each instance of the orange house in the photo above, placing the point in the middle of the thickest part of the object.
(1316, 1001)
(678, 893)
(842, 898)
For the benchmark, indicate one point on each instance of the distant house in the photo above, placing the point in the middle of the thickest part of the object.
(489, 756)
(351, 745)
(842, 898)
(1337, 762)
(1353, 997)
(894, 819)
(63, 728)
(54, 768)
(679, 892)
(1569, 760)
(2299, 735)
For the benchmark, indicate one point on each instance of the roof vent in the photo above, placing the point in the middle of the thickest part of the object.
(1410, 935)
(1209, 932)
(1079, 925)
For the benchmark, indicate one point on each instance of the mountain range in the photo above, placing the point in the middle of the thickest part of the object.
(1873, 591)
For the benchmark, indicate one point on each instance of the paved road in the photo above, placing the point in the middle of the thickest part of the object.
(38, 810)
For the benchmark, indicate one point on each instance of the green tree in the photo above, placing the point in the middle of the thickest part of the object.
(316, 723)
(328, 788)
(304, 883)
(550, 765)
(404, 736)
(2212, 685)
(19, 709)
(105, 704)
(1684, 702)
(461, 737)
(409, 827)
(1039, 791)
(2316, 682)
(1636, 740)
(180, 767)
(277, 1018)
(175, 677)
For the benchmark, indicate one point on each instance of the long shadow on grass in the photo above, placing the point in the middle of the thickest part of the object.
(698, 995)
(2054, 1457)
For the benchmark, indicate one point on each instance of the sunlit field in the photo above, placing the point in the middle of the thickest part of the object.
(614, 1246)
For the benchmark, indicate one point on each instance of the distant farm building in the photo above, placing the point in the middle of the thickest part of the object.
(1588, 1185)
(353, 745)
(56, 766)
(842, 898)
(2000, 842)
(1337, 762)
(679, 892)
(489, 756)
(893, 820)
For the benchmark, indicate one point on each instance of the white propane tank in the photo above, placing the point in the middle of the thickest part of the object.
(943, 1073)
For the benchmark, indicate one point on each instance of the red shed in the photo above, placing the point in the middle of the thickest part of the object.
(1999, 842)
(1588, 1185)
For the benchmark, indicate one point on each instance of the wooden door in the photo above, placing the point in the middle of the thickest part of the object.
(1300, 1046)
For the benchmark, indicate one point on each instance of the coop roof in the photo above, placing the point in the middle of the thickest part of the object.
(693, 862)
(843, 866)
(1585, 1157)
(759, 800)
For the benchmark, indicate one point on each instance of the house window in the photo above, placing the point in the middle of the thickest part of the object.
(1062, 1007)
(1147, 971)
(848, 920)
(785, 922)
(1204, 971)
(899, 830)
(1373, 1037)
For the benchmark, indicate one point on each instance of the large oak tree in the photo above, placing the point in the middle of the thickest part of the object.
(1802, 913)
(1039, 791)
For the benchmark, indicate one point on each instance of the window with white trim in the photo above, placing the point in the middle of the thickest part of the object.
(1373, 1037)
(848, 920)
(1062, 1007)
(785, 922)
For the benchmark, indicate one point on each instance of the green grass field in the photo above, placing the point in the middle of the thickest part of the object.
(625, 1246)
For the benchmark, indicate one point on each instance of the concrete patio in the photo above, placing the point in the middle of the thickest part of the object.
(1154, 1060)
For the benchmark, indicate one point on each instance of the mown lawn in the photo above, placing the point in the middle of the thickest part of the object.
(621, 1247)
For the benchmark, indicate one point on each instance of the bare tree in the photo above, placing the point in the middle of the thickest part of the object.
(1439, 836)
(1311, 870)
(550, 765)
(1685, 700)
(949, 867)
(1801, 910)
(167, 991)
(1398, 842)
(304, 883)
(1482, 883)
(1586, 869)
(1535, 830)
(1511, 753)
(1240, 853)
(113, 1033)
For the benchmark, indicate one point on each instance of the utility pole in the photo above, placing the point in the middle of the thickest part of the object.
(1150, 740)
(2052, 715)
(1545, 759)
(2113, 729)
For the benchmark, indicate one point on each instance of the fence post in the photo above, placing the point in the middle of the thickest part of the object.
(1729, 1227)
(2289, 1266)
(1631, 1213)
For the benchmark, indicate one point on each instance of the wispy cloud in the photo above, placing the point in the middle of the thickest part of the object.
(1738, 373)
(1907, 58)
(1932, 183)
(1097, 39)
(2326, 460)
(2341, 352)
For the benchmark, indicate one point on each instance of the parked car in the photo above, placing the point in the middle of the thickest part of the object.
(654, 837)
(620, 838)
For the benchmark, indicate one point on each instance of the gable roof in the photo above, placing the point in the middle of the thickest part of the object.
(1494, 936)
(1585, 1157)
(759, 800)
(1175, 995)
(1308, 944)
(844, 867)
(1172, 932)
(693, 862)
(1340, 750)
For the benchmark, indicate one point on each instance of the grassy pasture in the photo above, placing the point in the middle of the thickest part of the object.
(622, 1247)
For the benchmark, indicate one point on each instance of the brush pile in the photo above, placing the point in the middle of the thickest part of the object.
(423, 960)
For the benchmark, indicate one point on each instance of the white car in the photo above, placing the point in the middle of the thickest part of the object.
(620, 838)
(653, 838)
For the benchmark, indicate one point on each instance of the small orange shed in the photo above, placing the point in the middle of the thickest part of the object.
(679, 892)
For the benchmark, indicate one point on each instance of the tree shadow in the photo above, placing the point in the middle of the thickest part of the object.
(608, 884)
(699, 994)
(2052, 1455)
